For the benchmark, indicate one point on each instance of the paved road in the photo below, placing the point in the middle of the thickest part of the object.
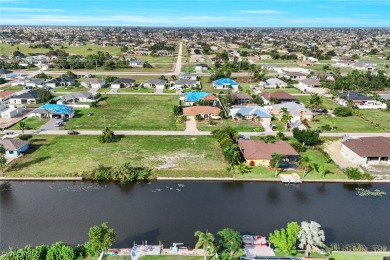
(178, 62)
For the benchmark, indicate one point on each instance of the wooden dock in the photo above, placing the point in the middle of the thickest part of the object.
(290, 178)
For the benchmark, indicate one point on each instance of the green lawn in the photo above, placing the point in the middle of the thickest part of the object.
(328, 104)
(288, 90)
(12, 88)
(358, 255)
(379, 118)
(176, 156)
(351, 124)
(240, 126)
(136, 90)
(171, 257)
(31, 123)
(316, 157)
(129, 112)
(151, 59)
(71, 89)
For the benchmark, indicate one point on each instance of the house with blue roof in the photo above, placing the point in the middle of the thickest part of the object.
(225, 83)
(190, 98)
(52, 111)
(255, 113)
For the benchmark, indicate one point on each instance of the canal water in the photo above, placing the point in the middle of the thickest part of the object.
(44, 212)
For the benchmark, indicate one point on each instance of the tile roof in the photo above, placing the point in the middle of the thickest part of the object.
(201, 110)
(260, 150)
(277, 94)
(377, 146)
(5, 93)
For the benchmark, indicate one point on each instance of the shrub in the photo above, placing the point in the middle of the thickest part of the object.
(355, 174)
(25, 137)
(308, 137)
(326, 127)
(108, 136)
(342, 111)
(300, 148)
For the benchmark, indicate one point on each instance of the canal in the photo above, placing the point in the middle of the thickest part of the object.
(44, 212)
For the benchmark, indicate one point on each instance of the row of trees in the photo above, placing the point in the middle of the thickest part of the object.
(101, 238)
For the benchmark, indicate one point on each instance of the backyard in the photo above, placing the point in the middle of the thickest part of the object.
(176, 156)
(129, 112)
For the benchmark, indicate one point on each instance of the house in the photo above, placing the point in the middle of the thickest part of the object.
(30, 97)
(251, 113)
(5, 74)
(294, 75)
(35, 82)
(364, 65)
(123, 83)
(197, 58)
(201, 67)
(242, 99)
(306, 84)
(14, 147)
(11, 111)
(154, 83)
(305, 63)
(93, 83)
(78, 97)
(205, 112)
(259, 153)
(136, 63)
(225, 83)
(360, 100)
(298, 112)
(52, 111)
(266, 57)
(253, 59)
(5, 95)
(60, 82)
(278, 97)
(190, 98)
(269, 67)
(188, 76)
(367, 150)
(273, 83)
(184, 83)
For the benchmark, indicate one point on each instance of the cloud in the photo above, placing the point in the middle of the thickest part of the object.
(262, 12)
(339, 21)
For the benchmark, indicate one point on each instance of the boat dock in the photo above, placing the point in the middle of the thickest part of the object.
(290, 178)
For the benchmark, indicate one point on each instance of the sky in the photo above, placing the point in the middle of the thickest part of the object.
(197, 13)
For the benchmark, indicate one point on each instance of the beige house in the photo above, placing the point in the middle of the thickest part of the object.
(367, 150)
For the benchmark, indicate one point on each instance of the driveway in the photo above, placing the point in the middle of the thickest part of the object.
(266, 126)
(93, 91)
(49, 125)
(334, 151)
(191, 125)
(159, 90)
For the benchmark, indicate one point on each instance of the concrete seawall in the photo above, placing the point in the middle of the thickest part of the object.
(41, 178)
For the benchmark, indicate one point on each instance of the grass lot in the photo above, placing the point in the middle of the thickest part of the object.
(136, 90)
(316, 157)
(358, 255)
(185, 154)
(351, 124)
(288, 90)
(31, 123)
(151, 59)
(71, 89)
(171, 257)
(12, 88)
(328, 104)
(240, 126)
(79, 50)
(129, 112)
(378, 117)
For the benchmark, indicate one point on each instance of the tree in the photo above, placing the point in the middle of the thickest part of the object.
(206, 241)
(198, 117)
(311, 236)
(281, 135)
(230, 242)
(285, 239)
(60, 251)
(306, 163)
(22, 126)
(286, 117)
(323, 170)
(315, 102)
(343, 111)
(241, 168)
(308, 137)
(44, 95)
(275, 161)
(107, 136)
(100, 239)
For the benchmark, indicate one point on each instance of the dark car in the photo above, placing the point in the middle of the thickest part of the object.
(73, 132)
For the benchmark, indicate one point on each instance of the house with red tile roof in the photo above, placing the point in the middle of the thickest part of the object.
(205, 112)
(367, 150)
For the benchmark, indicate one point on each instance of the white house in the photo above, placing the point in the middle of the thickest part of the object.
(154, 83)
(122, 83)
(93, 83)
(307, 84)
(273, 83)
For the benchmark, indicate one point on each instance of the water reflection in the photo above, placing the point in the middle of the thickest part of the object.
(354, 186)
(273, 195)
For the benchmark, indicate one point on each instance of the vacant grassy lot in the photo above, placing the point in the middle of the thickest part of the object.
(327, 103)
(31, 123)
(136, 90)
(71, 89)
(240, 126)
(71, 155)
(351, 124)
(358, 255)
(288, 90)
(12, 88)
(380, 118)
(129, 112)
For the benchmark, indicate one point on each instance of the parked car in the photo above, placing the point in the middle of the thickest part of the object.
(58, 123)
(73, 132)
(10, 133)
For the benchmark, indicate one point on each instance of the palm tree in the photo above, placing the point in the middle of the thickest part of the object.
(306, 163)
(206, 241)
(286, 117)
(311, 236)
(22, 126)
(323, 170)
(280, 135)
(241, 168)
(275, 161)
(315, 102)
